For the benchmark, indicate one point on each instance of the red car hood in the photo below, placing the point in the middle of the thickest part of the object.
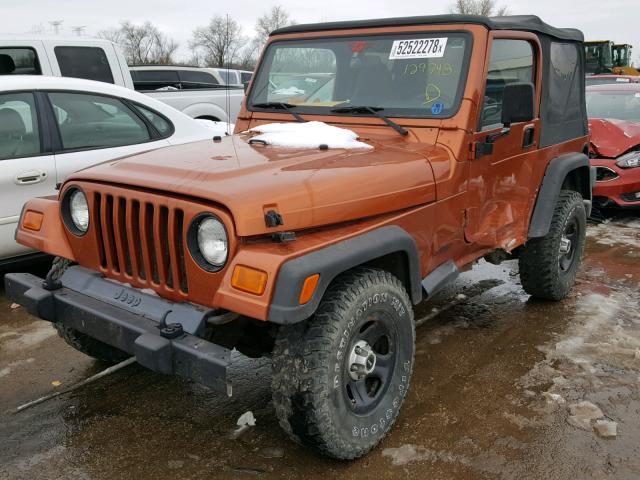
(611, 137)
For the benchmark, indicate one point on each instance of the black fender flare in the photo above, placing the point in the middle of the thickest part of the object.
(557, 171)
(335, 259)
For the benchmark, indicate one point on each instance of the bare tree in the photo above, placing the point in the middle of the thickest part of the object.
(487, 8)
(143, 44)
(275, 18)
(219, 42)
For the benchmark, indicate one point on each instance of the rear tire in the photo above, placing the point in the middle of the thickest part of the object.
(549, 265)
(340, 378)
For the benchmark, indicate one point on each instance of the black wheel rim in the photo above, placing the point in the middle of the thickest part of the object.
(568, 244)
(378, 332)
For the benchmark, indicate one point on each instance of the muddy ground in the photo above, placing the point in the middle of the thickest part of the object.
(503, 387)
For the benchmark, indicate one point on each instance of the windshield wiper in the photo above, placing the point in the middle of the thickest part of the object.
(282, 106)
(375, 111)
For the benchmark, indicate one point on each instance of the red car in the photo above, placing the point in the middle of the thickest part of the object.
(614, 120)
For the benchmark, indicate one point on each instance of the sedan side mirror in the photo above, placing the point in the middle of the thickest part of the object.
(518, 103)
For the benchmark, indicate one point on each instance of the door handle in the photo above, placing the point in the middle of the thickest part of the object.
(528, 136)
(30, 177)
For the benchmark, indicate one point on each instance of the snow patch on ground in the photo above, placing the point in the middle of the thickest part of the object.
(409, 453)
(308, 135)
(30, 338)
(619, 234)
(9, 368)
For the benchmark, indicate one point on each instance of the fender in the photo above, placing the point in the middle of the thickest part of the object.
(206, 110)
(335, 259)
(554, 177)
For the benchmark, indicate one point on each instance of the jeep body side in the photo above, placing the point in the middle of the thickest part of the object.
(315, 256)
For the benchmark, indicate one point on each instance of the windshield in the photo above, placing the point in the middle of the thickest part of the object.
(620, 105)
(416, 75)
(597, 57)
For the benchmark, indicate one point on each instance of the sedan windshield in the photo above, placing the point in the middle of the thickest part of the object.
(614, 104)
(417, 75)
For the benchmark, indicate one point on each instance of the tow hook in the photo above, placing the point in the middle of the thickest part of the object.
(171, 330)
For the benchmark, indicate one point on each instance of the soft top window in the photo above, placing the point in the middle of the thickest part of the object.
(403, 75)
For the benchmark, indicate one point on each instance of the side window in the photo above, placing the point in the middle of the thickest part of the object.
(19, 134)
(160, 123)
(193, 79)
(155, 79)
(511, 62)
(92, 121)
(245, 76)
(19, 61)
(90, 63)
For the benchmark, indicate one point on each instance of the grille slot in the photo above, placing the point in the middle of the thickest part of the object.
(141, 241)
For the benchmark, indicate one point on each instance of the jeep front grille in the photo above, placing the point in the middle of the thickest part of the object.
(141, 240)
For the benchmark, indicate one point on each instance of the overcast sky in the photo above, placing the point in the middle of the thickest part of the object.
(617, 20)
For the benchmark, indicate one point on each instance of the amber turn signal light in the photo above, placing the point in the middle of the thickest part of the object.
(308, 288)
(32, 220)
(249, 279)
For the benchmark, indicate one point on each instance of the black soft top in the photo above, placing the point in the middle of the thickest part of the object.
(527, 23)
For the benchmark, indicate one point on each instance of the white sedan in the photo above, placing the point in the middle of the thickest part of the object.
(52, 126)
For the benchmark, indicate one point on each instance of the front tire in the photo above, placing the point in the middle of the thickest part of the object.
(340, 378)
(549, 265)
(78, 340)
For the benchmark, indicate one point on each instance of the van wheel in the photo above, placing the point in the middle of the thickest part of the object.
(549, 265)
(340, 378)
(78, 340)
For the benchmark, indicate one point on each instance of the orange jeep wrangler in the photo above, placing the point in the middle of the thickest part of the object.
(478, 142)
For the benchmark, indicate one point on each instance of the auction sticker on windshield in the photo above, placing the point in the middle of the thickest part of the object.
(418, 48)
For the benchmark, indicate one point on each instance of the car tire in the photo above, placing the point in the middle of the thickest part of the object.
(78, 340)
(340, 378)
(549, 265)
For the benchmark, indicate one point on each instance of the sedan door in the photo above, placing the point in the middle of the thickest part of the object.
(26, 170)
(96, 128)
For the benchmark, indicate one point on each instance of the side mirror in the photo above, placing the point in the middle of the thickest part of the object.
(518, 101)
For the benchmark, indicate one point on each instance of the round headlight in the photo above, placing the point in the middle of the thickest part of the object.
(212, 241)
(79, 210)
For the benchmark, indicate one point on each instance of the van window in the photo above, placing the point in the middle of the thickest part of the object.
(93, 121)
(245, 76)
(155, 79)
(90, 63)
(193, 79)
(511, 62)
(19, 61)
(19, 135)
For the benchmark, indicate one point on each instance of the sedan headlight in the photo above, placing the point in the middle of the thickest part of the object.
(75, 211)
(629, 160)
(208, 242)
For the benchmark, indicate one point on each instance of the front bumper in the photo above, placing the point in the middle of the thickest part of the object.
(129, 320)
(620, 190)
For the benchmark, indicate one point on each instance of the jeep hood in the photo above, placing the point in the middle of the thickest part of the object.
(611, 137)
(308, 187)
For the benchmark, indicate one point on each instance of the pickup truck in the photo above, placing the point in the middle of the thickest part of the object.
(102, 60)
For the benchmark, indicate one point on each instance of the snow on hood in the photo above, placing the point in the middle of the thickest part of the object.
(307, 135)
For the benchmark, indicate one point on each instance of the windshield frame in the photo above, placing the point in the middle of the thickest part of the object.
(267, 56)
